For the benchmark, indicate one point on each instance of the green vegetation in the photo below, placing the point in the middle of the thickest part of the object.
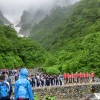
(49, 98)
(71, 36)
(36, 97)
(75, 43)
(1, 23)
(45, 29)
(16, 52)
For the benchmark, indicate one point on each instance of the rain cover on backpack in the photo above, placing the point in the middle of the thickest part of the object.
(22, 90)
(4, 90)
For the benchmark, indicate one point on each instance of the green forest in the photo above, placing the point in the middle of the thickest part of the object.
(67, 40)
(16, 52)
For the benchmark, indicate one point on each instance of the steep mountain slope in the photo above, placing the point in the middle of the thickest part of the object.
(33, 16)
(16, 52)
(1, 23)
(42, 31)
(3, 19)
(84, 20)
(75, 44)
(29, 19)
(83, 16)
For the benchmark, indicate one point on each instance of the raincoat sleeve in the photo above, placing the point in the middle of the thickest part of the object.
(31, 94)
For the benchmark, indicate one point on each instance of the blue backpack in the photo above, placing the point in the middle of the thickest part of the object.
(22, 89)
(4, 89)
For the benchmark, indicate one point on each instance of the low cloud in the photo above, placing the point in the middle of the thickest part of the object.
(13, 9)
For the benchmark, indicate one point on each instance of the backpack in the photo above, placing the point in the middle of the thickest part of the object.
(10, 88)
(22, 89)
(4, 89)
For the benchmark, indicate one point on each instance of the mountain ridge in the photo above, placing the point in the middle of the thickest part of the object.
(3, 19)
(32, 17)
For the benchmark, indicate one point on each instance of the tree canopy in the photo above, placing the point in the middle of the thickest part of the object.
(16, 52)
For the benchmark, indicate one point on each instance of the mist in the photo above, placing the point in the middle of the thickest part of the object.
(13, 9)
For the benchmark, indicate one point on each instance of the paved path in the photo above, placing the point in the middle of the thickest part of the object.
(93, 83)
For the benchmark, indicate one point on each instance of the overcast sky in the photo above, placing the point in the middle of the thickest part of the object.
(13, 9)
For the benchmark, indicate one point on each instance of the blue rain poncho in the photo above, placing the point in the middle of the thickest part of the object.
(22, 88)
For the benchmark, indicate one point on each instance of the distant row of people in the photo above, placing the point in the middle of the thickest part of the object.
(66, 78)
(78, 77)
(40, 80)
(23, 82)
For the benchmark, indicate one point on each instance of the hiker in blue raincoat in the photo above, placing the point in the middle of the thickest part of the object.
(22, 88)
(4, 89)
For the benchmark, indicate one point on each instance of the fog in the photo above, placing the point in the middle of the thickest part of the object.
(13, 9)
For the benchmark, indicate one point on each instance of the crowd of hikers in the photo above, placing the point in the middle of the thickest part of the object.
(66, 78)
(22, 87)
(23, 82)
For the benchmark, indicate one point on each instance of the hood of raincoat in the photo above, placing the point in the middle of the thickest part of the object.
(23, 73)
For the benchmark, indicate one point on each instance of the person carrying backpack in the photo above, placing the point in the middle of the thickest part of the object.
(4, 89)
(22, 87)
(8, 81)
